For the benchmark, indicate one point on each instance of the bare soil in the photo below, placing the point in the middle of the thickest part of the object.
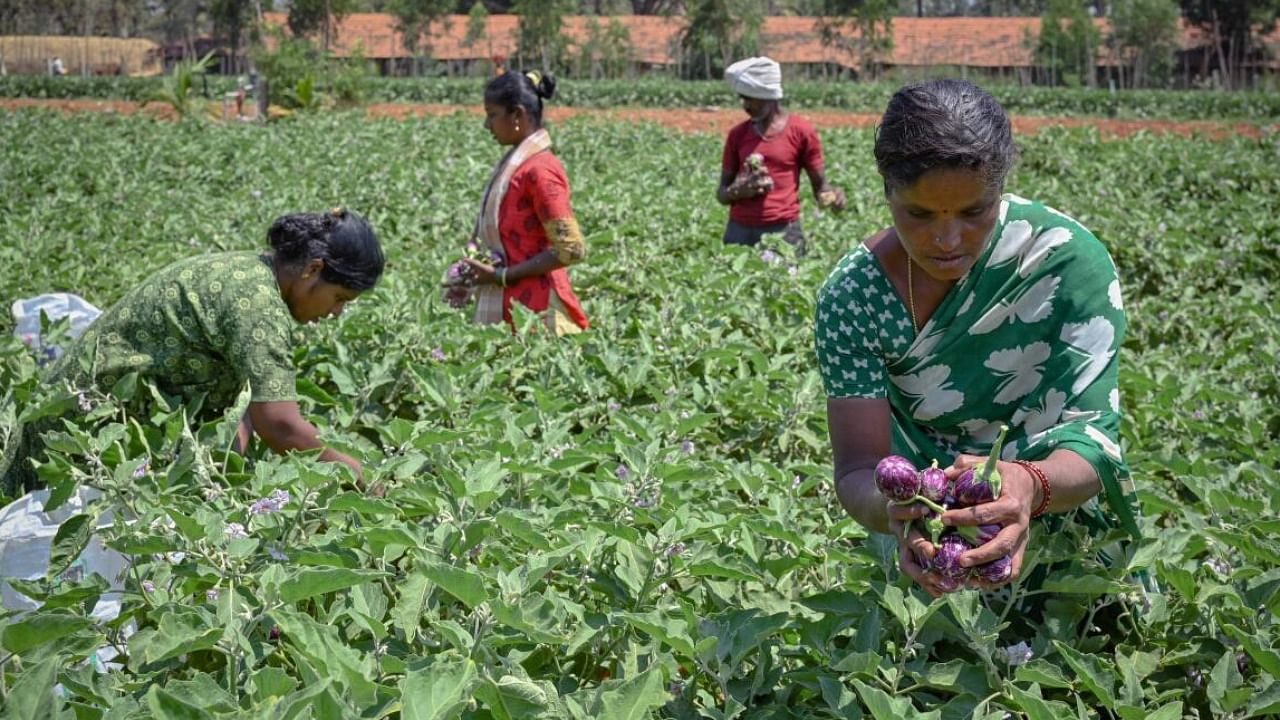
(705, 120)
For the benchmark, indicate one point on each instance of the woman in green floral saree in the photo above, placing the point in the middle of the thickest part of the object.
(205, 327)
(975, 309)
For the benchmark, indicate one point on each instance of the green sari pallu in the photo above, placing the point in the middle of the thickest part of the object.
(1028, 338)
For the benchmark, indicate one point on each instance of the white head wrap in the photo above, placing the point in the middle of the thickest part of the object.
(757, 77)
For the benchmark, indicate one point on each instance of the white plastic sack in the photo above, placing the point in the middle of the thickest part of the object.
(26, 537)
(26, 317)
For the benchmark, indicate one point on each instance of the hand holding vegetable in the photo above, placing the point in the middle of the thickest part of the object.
(1011, 512)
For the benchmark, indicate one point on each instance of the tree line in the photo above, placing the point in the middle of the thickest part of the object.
(1145, 34)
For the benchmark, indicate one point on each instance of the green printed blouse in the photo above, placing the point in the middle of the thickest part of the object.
(1029, 338)
(205, 326)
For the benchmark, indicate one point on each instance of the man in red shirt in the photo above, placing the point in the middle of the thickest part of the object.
(763, 157)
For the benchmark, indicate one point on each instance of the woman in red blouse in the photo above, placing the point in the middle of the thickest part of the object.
(525, 217)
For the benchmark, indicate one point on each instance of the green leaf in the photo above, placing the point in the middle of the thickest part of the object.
(1225, 678)
(1084, 585)
(464, 585)
(1265, 703)
(182, 631)
(312, 581)
(407, 613)
(32, 696)
(1036, 707)
(884, 707)
(167, 706)
(41, 627)
(1043, 673)
(439, 690)
(1168, 711)
(1094, 673)
(1267, 659)
(72, 537)
(716, 569)
(512, 698)
(633, 698)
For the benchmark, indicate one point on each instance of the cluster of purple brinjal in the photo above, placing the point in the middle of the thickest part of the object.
(900, 482)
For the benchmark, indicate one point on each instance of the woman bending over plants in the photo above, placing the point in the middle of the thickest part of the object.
(974, 311)
(202, 328)
(526, 223)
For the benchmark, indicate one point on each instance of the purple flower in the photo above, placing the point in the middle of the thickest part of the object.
(211, 594)
(148, 586)
(235, 531)
(1019, 654)
(83, 403)
(1164, 315)
(793, 271)
(270, 504)
(770, 257)
(686, 447)
(644, 503)
(676, 549)
(277, 554)
(676, 688)
(141, 472)
(796, 482)
(613, 407)
(1199, 415)
(623, 473)
(473, 247)
(438, 355)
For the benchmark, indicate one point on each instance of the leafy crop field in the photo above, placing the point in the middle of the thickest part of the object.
(1258, 106)
(637, 522)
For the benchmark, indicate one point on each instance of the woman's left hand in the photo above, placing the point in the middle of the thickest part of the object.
(1012, 511)
(485, 274)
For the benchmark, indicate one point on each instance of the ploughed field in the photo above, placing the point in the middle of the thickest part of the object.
(637, 522)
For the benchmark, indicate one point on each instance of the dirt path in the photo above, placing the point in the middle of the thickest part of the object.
(712, 120)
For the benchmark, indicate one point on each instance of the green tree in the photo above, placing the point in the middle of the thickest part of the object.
(1235, 29)
(863, 29)
(477, 24)
(230, 20)
(413, 21)
(718, 33)
(541, 41)
(308, 17)
(1067, 44)
(1144, 36)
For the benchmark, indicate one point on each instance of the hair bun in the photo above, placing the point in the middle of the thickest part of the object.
(544, 84)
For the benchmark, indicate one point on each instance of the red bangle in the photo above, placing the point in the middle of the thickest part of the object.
(1045, 492)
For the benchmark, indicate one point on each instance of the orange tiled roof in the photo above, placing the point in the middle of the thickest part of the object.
(959, 41)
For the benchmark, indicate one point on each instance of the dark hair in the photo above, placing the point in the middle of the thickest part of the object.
(943, 124)
(342, 239)
(526, 90)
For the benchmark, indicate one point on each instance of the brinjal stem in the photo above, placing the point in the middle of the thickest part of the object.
(990, 465)
(924, 501)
